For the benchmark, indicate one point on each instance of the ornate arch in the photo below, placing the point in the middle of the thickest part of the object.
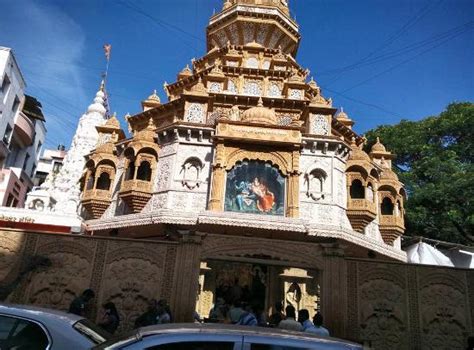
(221, 247)
(275, 158)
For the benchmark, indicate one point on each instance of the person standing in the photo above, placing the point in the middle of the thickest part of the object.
(290, 323)
(247, 318)
(318, 324)
(277, 316)
(148, 318)
(79, 304)
(163, 316)
(110, 319)
(303, 318)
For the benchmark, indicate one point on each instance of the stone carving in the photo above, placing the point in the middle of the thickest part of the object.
(191, 172)
(10, 248)
(232, 87)
(252, 62)
(444, 311)
(195, 113)
(215, 87)
(274, 90)
(253, 88)
(163, 173)
(382, 301)
(296, 94)
(314, 181)
(319, 125)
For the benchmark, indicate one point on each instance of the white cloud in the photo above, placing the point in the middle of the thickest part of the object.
(48, 44)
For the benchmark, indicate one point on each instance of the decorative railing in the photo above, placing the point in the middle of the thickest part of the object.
(391, 220)
(103, 195)
(361, 204)
(136, 185)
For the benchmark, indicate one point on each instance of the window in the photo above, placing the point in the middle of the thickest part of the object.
(103, 182)
(195, 345)
(357, 190)
(16, 104)
(56, 167)
(130, 173)
(25, 162)
(90, 181)
(33, 171)
(5, 87)
(8, 133)
(386, 207)
(38, 148)
(144, 171)
(21, 334)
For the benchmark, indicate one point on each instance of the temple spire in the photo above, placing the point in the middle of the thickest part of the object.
(63, 188)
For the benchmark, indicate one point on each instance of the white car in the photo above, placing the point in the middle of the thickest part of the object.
(34, 328)
(222, 337)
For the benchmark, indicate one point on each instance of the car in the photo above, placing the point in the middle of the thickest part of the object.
(221, 337)
(35, 328)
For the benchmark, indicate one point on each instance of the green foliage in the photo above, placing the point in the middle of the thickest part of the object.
(434, 161)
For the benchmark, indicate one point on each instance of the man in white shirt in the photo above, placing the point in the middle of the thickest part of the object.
(290, 323)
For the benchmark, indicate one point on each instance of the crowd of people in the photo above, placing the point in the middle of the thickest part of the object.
(158, 312)
(243, 314)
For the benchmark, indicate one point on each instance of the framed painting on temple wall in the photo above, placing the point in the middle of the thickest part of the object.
(255, 187)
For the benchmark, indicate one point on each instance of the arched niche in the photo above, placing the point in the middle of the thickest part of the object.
(315, 182)
(356, 189)
(191, 172)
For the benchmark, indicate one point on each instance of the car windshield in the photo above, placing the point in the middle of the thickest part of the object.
(91, 331)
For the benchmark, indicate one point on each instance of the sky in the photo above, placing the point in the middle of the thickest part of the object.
(381, 60)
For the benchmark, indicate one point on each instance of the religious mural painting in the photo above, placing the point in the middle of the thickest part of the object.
(255, 187)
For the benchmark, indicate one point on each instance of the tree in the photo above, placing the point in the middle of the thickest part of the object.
(434, 161)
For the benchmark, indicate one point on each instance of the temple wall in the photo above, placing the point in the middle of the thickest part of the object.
(390, 305)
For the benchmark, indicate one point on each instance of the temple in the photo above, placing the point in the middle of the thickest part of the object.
(251, 166)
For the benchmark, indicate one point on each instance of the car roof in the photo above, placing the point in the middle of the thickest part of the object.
(38, 313)
(213, 328)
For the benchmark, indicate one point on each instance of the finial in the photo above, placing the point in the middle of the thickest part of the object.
(102, 85)
(378, 139)
(260, 102)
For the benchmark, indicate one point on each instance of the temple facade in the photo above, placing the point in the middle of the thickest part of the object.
(249, 161)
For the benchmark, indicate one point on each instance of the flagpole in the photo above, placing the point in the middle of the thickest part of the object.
(107, 51)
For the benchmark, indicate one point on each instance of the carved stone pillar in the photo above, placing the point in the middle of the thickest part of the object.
(186, 278)
(334, 291)
(292, 209)
(217, 189)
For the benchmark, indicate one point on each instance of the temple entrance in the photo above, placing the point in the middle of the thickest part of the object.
(224, 284)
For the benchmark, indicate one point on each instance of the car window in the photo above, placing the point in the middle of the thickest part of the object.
(18, 333)
(195, 345)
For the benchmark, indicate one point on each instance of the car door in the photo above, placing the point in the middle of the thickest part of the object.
(263, 342)
(189, 341)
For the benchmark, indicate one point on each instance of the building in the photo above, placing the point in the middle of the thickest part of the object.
(251, 168)
(22, 127)
(49, 163)
(54, 205)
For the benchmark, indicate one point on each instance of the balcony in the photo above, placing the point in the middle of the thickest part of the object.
(391, 227)
(136, 193)
(24, 129)
(360, 212)
(96, 202)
